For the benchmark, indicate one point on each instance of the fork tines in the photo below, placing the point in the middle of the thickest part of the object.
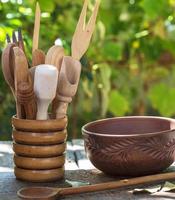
(83, 31)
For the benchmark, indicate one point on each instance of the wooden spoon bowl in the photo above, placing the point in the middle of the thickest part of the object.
(39, 151)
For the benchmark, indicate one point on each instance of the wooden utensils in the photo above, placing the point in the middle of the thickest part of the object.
(51, 193)
(67, 85)
(8, 66)
(45, 84)
(71, 67)
(83, 32)
(23, 87)
(38, 56)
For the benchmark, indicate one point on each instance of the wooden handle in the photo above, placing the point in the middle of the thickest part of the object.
(60, 108)
(26, 98)
(36, 27)
(67, 84)
(21, 75)
(117, 184)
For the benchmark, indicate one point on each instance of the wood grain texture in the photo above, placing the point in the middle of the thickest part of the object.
(38, 57)
(36, 27)
(55, 56)
(21, 75)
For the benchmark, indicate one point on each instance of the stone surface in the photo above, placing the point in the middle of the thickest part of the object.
(78, 168)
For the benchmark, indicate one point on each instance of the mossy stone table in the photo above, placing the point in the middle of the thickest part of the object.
(78, 168)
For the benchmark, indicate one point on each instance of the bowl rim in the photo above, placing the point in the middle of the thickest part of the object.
(85, 131)
(39, 121)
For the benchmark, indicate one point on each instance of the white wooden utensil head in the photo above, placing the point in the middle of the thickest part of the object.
(46, 77)
(45, 85)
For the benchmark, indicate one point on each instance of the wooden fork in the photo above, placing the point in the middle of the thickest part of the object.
(83, 32)
(71, 67)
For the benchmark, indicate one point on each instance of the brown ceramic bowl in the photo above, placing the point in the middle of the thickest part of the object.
(39, 175)
(130, 146)
(39, 151)
(39, 138)
(39, 163)
(49, 125)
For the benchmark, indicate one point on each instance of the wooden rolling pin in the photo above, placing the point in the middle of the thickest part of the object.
(67, 85)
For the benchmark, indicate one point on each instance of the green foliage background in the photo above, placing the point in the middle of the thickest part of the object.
(129, 68)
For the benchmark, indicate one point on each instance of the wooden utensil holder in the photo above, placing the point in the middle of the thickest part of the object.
(39, 147)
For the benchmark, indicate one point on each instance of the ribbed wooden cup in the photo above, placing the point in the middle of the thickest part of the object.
(39, 147)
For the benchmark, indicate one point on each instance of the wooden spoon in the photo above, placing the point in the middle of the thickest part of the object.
(38, 57)
(45, 84)
(55, 56)
(8, 66)
(50, 193)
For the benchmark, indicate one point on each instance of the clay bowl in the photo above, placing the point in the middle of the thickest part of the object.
(39, 163)
(39, 138)
(39, 151)
(130, 146)
(49, 125)
(39, 175)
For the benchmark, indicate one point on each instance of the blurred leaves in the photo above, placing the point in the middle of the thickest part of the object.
(111, 50)
(118, 105)
(162, 98)
(154, 9)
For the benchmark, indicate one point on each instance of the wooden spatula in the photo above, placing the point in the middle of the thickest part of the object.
(45, 85)
(38, 56)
